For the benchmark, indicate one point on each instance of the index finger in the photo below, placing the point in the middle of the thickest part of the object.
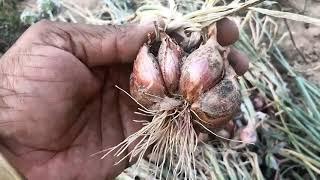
(94, 45)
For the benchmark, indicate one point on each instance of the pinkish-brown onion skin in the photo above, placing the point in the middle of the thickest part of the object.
(169, 57)
(201, 70)
(146, 79)
(248, 134)
(217, 106)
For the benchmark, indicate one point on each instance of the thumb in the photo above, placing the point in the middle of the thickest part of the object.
(92, 44)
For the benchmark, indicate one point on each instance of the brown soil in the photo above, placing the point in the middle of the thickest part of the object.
(307, 39)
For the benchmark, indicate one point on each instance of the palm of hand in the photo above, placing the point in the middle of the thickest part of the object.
(67, 111)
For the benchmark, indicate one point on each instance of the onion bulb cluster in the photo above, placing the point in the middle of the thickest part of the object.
(185, 90)
(203, 79)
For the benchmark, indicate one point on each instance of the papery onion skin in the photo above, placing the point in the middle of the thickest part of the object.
(248, 134)
(146, 83)
(217, 106)
(201, 70)
(169, 57)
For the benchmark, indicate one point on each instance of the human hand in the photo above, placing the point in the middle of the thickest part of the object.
(58, 101)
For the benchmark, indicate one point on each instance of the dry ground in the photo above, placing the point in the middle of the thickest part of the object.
(307, 39)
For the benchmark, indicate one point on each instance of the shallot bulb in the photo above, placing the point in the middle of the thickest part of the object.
(146, 82)
(202, 69)
(218, 105)
(205, 80)
(169, 57)
(178, 89)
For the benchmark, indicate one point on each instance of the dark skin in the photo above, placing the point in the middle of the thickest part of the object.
(58, 101)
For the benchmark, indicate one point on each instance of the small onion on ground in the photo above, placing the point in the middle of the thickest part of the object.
(186, 94)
